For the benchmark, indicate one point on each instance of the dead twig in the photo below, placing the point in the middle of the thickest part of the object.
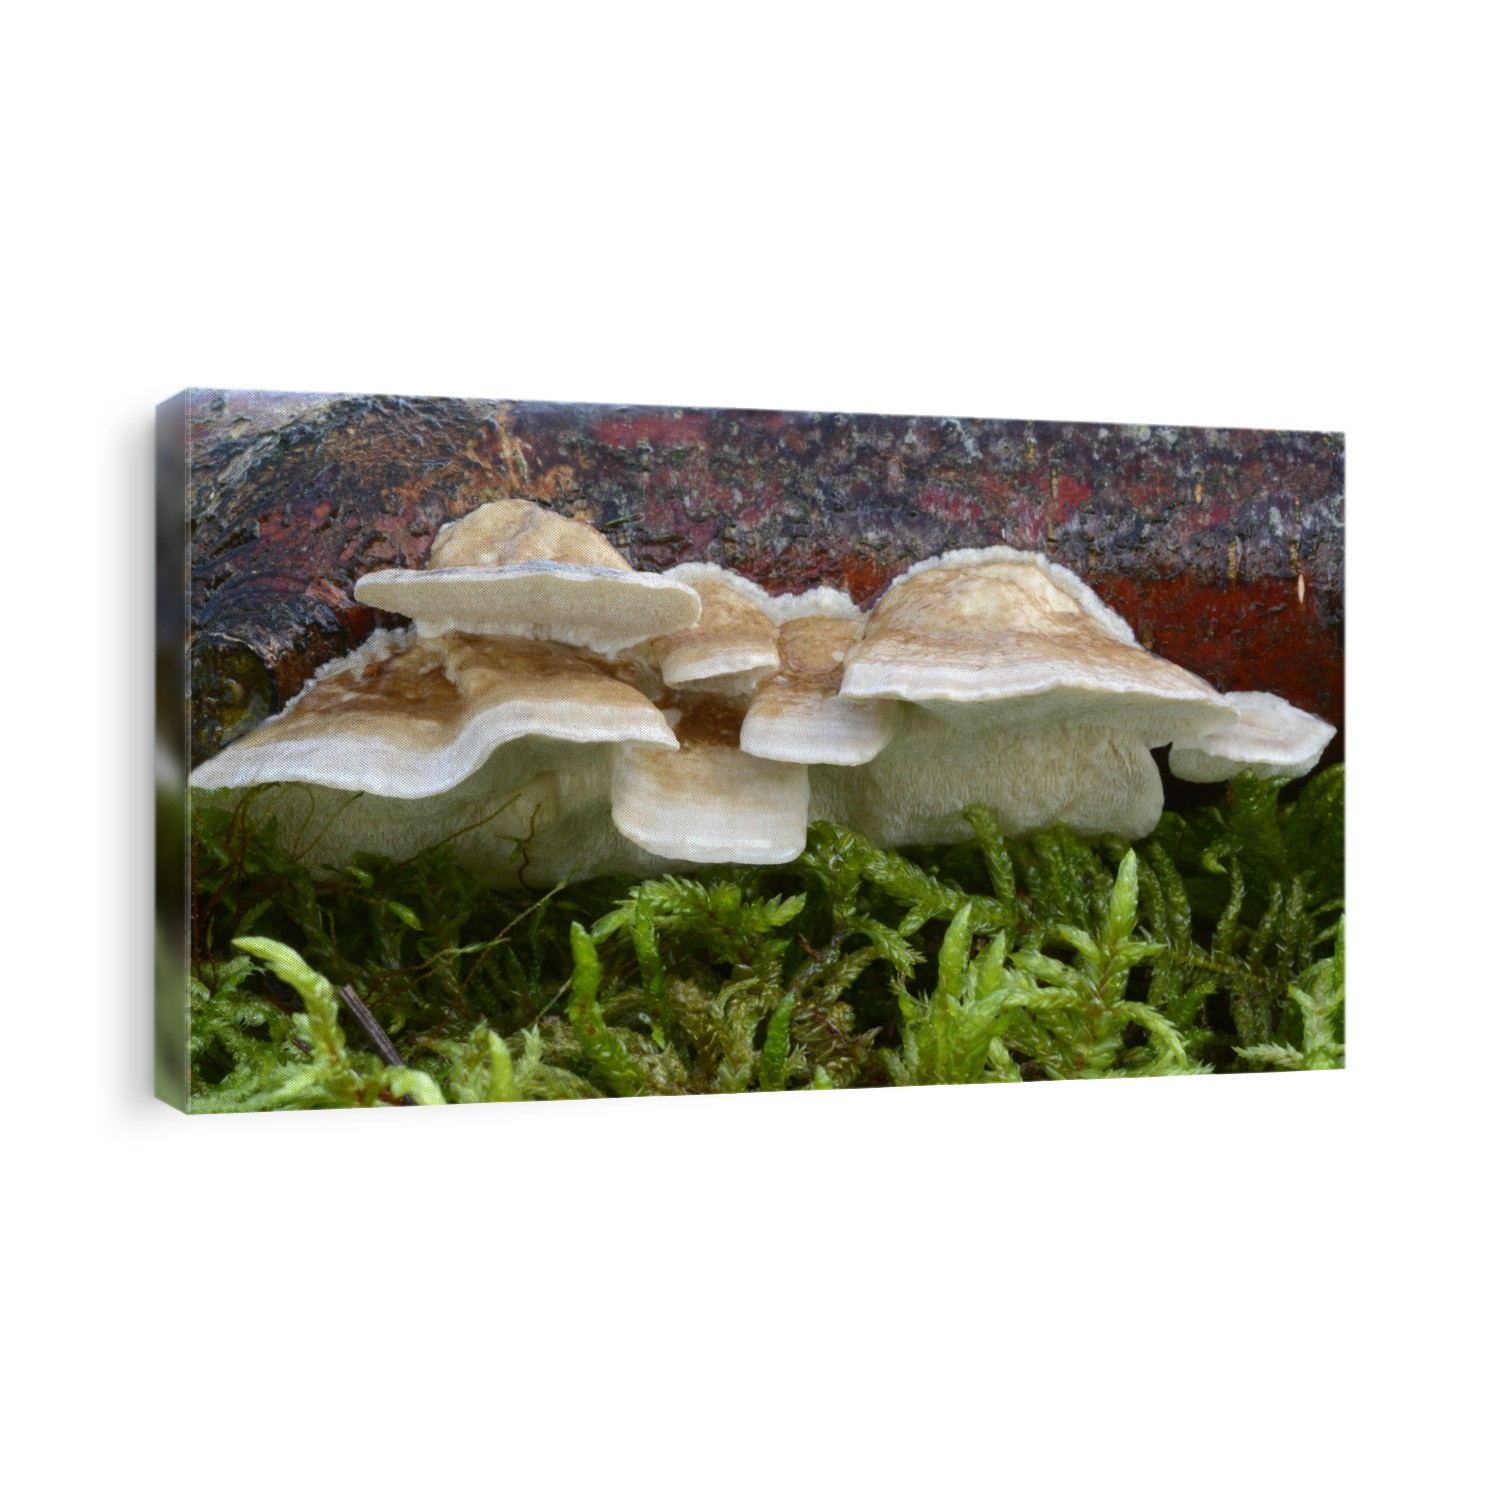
(374, 1030)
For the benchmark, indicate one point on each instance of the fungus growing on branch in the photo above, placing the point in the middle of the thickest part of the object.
(1026, 642)
(553, 714)
(512, 568)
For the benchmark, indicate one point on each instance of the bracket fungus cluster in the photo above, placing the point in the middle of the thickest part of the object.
(554, 714)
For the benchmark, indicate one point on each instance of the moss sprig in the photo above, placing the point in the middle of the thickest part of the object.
(1214, 945)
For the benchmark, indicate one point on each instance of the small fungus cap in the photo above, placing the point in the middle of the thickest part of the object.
(407, 716)
(1030, 642)
(734, 637)
(505, 532)
(708, 802)
(778, 608)
(1269, 738)
(512, 568)
(798, 715)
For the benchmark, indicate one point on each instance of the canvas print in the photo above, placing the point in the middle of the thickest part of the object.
(520, 751)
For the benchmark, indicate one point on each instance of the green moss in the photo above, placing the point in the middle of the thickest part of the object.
(1216, 945)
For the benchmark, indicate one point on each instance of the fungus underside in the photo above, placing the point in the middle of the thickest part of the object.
(1215, 945)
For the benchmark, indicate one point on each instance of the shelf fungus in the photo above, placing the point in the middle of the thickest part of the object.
(475, 738)
(1268, 738)
(552, 714)
(513, 568)
(1022, 690)
(410, 716)
(708, 802)
(1013, 640)
(799, 714)
(725, 795)
(731, 645)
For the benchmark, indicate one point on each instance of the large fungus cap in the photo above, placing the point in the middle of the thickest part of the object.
(710, 802)
(1269, 738)
(406, 716)
(798, 715)
(512, 568)
(1028, 640)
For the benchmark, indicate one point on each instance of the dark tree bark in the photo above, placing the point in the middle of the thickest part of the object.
(1223, 548)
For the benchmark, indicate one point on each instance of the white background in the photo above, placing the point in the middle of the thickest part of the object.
(1269, 215)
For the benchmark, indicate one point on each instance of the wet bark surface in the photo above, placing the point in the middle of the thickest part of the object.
(1223, 548)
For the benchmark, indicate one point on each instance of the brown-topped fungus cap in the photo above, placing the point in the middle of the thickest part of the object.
(406, 716)
(1027, 640)
(512, 568)
(709, 802)
(798, 715)
(1269, 738)
(733, 644)
(1095, 779)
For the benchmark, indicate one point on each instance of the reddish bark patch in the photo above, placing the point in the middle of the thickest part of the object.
(953, 505)
(1068, 493)
(660, 429)
(1248, 637)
